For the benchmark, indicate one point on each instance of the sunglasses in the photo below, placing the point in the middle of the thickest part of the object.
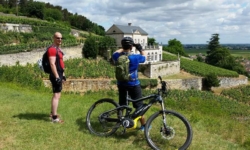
(59, 38)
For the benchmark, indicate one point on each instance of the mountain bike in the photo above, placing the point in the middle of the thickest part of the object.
(165, 129)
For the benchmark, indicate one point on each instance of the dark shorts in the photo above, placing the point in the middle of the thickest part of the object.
(133, 91)
(56, 88)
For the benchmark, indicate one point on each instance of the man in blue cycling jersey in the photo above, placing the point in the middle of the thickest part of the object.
(132, 86)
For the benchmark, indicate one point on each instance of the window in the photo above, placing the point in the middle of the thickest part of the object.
(148, 58)
(152, 56)
(155, 55)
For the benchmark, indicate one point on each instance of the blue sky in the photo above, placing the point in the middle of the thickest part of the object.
(189, 21)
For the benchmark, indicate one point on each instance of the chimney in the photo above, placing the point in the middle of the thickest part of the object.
(129, 24)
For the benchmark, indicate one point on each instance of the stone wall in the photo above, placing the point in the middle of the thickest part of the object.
(6, 27)
(185, 84)
(164, 68)
(231, 82)
(84, 85)
(32, 57)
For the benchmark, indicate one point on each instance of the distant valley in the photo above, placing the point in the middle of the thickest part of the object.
(229, 46)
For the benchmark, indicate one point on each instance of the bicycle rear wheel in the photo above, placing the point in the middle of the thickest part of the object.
(101, 120)
(177, 134)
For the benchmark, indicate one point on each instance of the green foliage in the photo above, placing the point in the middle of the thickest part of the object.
(200, 68)
(221, 56)
(35, 9)
(151, 41)
(75, 68)
(240, 94)
(214, 43)
(199, 58)
(213, 118)
(168, 57)
(106, 43)
(210, 81)
(30, 21)
(23, 75)
(175, 47)
(88, 68)
(145, 83)
(40, 30)
(203, 69)
(55, 14)
(30, 46)
(151, 83)
(208, 102)
(90, 48)
(40, 37)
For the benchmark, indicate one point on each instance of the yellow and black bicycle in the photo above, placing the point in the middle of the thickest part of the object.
(165, 129)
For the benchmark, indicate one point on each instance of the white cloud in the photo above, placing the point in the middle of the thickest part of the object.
(189, 21)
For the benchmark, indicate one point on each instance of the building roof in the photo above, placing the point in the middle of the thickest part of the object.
(128, 29)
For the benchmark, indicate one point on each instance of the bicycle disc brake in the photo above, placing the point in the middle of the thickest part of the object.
(167, 133)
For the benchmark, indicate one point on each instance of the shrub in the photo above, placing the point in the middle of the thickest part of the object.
(210, 81)
(90, 49)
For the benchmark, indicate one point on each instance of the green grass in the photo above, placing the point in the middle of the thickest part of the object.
(218, 123)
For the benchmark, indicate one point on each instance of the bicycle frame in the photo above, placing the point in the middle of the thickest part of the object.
(154, 98)
(160, 130)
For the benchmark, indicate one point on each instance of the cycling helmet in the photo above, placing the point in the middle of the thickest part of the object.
(127, 41)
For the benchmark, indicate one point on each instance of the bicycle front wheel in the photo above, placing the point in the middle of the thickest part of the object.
(102, 117)
(175, 133)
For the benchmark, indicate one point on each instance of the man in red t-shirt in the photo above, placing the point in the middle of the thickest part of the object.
(57, 75)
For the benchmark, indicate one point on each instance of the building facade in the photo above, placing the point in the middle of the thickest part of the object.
(154, 53)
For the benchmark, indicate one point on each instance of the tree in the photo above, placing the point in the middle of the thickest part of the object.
(23, 4)
(66, 15)
(12, 3)
(175, 47)
(52, 13)
(199, 58)
(210, 81)
(151, 41)
(2, 2)
(221, 57)
(106, 43)
(90, 49)
(214, 43)
(35, 9)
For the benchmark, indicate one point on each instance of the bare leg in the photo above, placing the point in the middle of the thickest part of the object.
(142, 120)
(54, 103)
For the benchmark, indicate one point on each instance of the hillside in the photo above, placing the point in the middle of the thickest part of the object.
(45, 29)
(217, 122)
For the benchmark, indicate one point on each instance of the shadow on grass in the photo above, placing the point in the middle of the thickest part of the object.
(136, 136)
(82, 124)
(32, 116)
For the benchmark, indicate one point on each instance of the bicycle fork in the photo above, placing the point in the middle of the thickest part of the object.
(166, 131)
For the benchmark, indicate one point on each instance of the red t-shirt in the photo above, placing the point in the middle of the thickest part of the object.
(52, 52)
